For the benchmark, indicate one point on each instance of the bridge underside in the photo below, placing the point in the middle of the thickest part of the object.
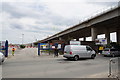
(103, 24)
(104, 27)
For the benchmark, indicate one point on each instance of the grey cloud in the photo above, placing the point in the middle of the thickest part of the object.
(6, 7)
(41, 31)
(42, 17)
(18, 11)
(16, 26)
(44, 29)
(57, 20)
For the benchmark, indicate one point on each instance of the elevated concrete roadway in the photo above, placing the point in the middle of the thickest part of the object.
(104, 23)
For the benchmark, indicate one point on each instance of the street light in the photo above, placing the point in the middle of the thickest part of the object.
(22, 38)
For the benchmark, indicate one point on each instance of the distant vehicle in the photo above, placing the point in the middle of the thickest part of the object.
(78, 51)
(111, 52)
(2, 57)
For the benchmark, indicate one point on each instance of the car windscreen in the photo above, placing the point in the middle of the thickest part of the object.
(106, 49)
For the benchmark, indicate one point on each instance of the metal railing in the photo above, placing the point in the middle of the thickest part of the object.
(114, 68)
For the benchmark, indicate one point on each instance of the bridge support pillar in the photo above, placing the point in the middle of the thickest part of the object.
(60, 38)
(77, 39)
(118, 36)
(84, 39)
(107, 35)
(68, 39)
(94, 33)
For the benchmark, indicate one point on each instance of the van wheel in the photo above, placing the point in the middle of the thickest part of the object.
(92, 56)
(2, 60)
(76, 58)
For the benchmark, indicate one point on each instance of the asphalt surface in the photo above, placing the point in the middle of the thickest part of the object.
(26, 64)
(0, 71)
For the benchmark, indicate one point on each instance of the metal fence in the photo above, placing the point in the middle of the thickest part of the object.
(114, 68)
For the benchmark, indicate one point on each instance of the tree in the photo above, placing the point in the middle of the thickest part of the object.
(22, 46)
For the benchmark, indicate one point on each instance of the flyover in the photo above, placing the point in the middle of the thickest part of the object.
(104, 23)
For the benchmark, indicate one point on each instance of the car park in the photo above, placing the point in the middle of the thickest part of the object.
(78, 51)
(2, 57)
(111, 52)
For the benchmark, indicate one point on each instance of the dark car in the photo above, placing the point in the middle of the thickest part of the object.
(111, 52)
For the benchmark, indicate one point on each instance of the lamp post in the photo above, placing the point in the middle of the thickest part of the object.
(22, 38)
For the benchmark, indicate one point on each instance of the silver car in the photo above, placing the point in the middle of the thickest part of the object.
(111, 52)
(2, 57)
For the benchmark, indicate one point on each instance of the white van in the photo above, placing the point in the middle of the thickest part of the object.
(78, 51)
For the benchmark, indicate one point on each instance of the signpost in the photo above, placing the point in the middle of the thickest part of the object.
(101, 41)
(42, 46)
(48, 46)
(38, 49)
(4, 47)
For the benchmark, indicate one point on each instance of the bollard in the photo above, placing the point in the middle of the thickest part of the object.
(38, 49)
(114, 68)
(110, 73)
(119, 68)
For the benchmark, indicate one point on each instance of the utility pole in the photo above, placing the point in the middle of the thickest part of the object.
(22, 38)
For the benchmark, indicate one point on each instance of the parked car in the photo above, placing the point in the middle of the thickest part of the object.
(78, 51)
(111, 52)
(2, 57)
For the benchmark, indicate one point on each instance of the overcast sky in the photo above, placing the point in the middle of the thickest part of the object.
(38, 19)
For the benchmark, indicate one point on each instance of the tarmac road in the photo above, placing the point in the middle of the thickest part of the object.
(26, 64)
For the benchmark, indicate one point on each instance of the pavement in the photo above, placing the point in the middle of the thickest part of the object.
(27, 64)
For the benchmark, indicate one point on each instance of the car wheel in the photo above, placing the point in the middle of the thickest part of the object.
(76, 58)
(105, 55)
(92, 56)
(68, 58)
(2, 60)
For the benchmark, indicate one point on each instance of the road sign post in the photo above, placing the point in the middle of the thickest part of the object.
(38, 49)
(6, 48)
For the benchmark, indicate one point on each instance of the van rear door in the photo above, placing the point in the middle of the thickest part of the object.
(67, 49)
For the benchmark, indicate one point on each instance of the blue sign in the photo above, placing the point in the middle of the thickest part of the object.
(42, 46)
(4, 47)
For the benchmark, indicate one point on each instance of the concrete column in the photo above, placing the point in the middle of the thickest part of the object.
(77, 39)
(60, 38)
(68, 39)
(94, 33)
(107, 35)
(84, 39)
(118, 36)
